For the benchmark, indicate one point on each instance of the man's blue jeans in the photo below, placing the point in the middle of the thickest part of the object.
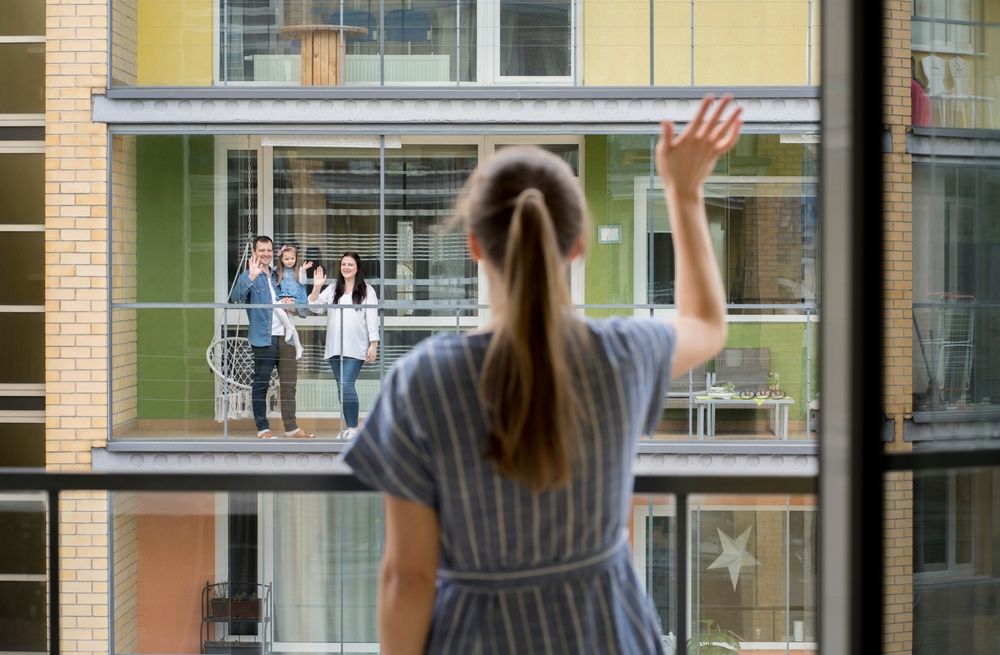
(345, 371)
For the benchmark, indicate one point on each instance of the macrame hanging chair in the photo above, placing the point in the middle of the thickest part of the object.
(231, 358)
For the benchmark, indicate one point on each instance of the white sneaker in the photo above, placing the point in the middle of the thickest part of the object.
(348, 434)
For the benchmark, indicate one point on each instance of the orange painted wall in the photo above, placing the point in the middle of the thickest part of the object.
(176, 555)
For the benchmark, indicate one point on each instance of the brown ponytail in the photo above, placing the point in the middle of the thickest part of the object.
(528, 214)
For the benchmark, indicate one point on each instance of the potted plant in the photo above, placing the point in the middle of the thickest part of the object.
(773, 381)
(709, 638)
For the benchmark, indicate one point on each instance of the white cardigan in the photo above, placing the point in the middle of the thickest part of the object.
(360, 325)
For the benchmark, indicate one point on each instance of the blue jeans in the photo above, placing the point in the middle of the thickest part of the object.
(345, 371)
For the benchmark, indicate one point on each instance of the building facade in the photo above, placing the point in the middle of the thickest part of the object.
(174, 130)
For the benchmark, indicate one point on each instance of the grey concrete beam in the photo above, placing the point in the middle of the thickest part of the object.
(408, 112)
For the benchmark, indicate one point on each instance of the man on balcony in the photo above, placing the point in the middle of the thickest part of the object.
(256, 286)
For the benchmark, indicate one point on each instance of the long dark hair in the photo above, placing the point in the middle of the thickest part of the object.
(527, 212)
(360, 291)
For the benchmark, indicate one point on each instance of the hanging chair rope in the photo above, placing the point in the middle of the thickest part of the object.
(231, 358)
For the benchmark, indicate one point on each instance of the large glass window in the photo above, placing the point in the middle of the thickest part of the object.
(457, 42)
(956, 287)
(753, 571)
(391, 199)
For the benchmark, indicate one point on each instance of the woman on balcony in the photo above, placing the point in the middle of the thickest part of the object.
(351, 333)
(506, 455)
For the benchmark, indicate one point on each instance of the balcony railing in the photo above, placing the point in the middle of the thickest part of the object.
(67, 525)
(171, 379)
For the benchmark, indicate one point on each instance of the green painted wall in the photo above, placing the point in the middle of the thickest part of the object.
(609, 267)
(175, 248)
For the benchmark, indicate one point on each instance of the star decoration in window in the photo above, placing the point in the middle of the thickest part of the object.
(734, 555)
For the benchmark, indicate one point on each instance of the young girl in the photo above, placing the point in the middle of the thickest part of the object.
(291, 284)
(506, 455)
(352, 335)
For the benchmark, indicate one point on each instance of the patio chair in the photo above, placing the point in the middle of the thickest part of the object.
(745, 368)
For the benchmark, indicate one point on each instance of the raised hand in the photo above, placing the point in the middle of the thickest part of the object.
(685, 161)
(307, 265)
(254, 267)
(319, 277)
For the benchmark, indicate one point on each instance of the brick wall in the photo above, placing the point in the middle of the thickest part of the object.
(898, 289)
(75, 305)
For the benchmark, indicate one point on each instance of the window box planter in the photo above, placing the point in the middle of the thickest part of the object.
(235, 610)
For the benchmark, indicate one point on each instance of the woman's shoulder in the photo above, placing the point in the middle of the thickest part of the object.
(443, 352)
(632, 333)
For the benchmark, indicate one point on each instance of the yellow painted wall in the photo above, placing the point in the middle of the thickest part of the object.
(751, 43)
(736, 42)
(672, 42)
(174, 42)
(616, 42)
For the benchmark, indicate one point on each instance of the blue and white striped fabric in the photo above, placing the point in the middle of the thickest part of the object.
(524, 572)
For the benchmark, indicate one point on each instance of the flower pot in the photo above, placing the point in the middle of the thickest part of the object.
(236, 610)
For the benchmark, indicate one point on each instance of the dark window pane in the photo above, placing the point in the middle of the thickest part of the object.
(22, 78)
(534, 38)
(23, 254)
(22, 548)
(22, 616)
(23, 18)
(22, 444)
(22, 186)
(23, 361)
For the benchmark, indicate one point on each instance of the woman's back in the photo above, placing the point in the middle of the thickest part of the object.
(500, 539)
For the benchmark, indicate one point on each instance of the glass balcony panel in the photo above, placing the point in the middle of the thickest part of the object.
(761, 386)
(956, 79)
(23, 580)
(171, 380)
(245, 573)
(22, 185)
(163, 217)
(753, 573)
(761, 203)
(954, 580)
(955, 296)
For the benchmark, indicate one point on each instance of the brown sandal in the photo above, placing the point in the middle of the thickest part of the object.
(267, 434)
(299, 433)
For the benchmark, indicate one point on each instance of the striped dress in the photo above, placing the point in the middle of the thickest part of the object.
(521, 571)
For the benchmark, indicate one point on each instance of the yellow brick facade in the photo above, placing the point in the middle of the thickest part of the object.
(76, 185)
(897, 287)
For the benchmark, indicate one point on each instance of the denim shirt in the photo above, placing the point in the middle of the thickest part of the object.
(255, 292)
(289, 287)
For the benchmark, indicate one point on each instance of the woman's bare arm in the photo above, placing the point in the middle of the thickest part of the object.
(684, 162)
(409, 569)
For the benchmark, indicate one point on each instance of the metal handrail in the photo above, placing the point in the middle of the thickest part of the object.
(54, 483)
